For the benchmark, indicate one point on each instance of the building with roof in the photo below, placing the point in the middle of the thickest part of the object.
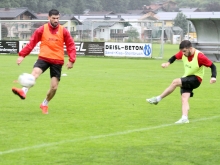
(169, 17)
(16, 14)
(70, 25)
(16, 30)
(207, 27)
(166, 6)
(104, 29)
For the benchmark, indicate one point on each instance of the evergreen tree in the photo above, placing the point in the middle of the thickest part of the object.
(4, 31)
(5, 4)
(31, 4)
(137, 5)
(212, 6)
(182, 22)
(93, 5)
(132, 33)
(79, 7)
(118, 6)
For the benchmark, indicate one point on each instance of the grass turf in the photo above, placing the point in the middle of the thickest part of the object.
(99, 116)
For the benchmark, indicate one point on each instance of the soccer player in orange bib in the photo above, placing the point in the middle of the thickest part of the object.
(52, 37)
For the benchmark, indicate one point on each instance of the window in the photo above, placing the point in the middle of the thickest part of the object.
(113, 30)
(119, 31)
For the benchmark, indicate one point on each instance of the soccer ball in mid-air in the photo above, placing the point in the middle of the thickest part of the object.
(26, 80)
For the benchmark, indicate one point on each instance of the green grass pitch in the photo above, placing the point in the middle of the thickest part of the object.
(99, 116)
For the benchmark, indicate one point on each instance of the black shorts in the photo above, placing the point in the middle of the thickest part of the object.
(55, 69)
(188, 84)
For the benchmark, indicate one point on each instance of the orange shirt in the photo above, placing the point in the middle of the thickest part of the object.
(37, 36)
(52, 45)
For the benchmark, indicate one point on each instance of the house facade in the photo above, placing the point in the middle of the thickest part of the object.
(113, 31)
(102, 29)
(72, 26)
(13, 28)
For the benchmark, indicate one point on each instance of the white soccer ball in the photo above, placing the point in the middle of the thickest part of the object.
(26, 80)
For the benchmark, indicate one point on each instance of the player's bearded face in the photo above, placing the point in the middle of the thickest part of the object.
(54, 20)
(186, 52)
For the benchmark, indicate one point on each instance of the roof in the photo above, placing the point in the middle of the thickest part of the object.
(88, 25)
(10, 13)
(153, 7)
(149, 16)
(135, 12)
(97, 23)
(126, 17)
(189, 9)
(169, 16)
(70, 17)
(88, 12)
(42, 16)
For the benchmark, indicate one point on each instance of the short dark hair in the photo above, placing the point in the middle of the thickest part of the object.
(185, 44)
(53, 12)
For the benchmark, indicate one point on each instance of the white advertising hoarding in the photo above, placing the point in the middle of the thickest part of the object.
(110, 49)
(36, 49)
(128, 49)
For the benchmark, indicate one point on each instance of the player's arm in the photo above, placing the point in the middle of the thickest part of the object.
(35, 38)
(175, 57)
(214, 73)
(213, 70)
(70, 46)
(203, 60)
(170, 61)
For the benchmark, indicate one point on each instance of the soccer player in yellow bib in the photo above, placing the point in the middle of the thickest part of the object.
(194, 62)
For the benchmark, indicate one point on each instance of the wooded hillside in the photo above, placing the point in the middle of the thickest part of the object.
(118, 6)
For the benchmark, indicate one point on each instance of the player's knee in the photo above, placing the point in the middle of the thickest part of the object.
(176, 82)
(54, 87)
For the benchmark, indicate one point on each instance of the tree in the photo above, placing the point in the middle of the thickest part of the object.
(5, 4)
(79, 7)
(31, 4)
(138, 5)
(190, 3)
(93, 5)
(212, 6)
(115, 5)
(132, 33)
(4, 31)
(181, 22)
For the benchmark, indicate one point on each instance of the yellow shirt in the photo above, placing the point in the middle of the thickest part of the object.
(192, 67)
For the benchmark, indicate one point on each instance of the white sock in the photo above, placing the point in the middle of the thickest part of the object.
(184, 117)
(45, 102)
(25, 90)
(158, 98)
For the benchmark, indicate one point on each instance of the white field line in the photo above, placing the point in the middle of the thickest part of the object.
(98, 136)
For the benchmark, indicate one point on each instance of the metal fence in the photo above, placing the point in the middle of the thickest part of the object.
(94, 31)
